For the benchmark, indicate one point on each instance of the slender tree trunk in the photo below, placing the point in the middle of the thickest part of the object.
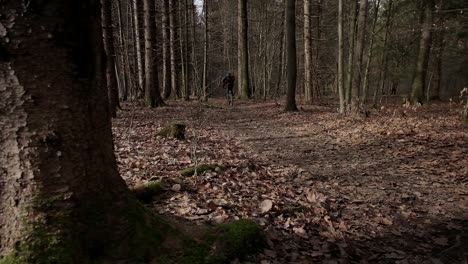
(438, 50)
(196, 75)
(292, 57)
(205, 54)
(360, 40)
(185, 52)
(420, 71)
(166, 51)
(307, 53)
(244, 78)
(370, 52)
(62, 200)
(121, 65)
(138, 46)
(340, 57)
(281, 53)
(173, 49)
(351, 41)
(108, 40)
(383, 58)
(181, 48)
(152, 92)
(316, 66)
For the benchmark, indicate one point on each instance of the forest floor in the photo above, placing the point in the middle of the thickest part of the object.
(388, 188)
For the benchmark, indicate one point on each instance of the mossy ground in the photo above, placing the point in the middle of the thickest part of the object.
(200, 169)
(175, 130)
(146, 191)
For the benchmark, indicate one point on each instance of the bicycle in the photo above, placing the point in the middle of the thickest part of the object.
(230, 96)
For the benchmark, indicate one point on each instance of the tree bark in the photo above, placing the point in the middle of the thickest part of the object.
(61, 198)
(370, 53)
(173, 49)
(361, 33)
(205, 54)
(136, 27)
(292, 57)
(152, 92)
(166, 54)
(420, 70)
(351, 43)
(340, 57)
(108, 40)
(383, 58)
(244, 79)
(307, 53)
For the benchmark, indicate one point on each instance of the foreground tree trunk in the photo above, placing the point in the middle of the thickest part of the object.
(244, 78)
(420, 70)
(61, 198)
(152, 92)
(292, 57)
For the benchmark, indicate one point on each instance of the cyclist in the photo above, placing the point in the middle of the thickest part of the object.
(228, 85)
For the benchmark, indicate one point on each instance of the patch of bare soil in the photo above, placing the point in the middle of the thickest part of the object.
(391, 188)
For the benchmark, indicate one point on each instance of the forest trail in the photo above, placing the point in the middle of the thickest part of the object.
(391, 188)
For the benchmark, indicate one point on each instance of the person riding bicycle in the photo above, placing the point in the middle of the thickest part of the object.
(228, 81)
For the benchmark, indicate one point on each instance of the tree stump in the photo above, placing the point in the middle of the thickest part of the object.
(174, 130)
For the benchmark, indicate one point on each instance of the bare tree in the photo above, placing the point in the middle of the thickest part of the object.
(420, 69)
(152, 92)
(108, 39)
(340, 57)
(292, 57)
(361, 32)
(244, 77)
(307, 52)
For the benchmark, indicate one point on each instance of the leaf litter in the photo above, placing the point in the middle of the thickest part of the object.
(391, 188)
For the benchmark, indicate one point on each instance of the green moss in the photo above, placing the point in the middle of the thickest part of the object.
(44, 239)
(200, 169)
(238, 239)
(146, 191)
(175, 130)
(9, 259)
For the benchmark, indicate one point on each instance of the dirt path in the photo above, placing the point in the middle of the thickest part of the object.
(391, 188)
(399, 183)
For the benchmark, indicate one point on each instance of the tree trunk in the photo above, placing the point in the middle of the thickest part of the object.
(361, 33)
(292, 57)
(370, 52)
(340, 57)
(166, 54)
(185, 51)
(136, 23)
(244, 78)
(438, 51)
(307, 53)
(108, 40)
(205, 54)
(173, 49)
(352, 42)
(383, 58)
(61, 198)
(152, 93)
(281, 53)
(420, 71)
